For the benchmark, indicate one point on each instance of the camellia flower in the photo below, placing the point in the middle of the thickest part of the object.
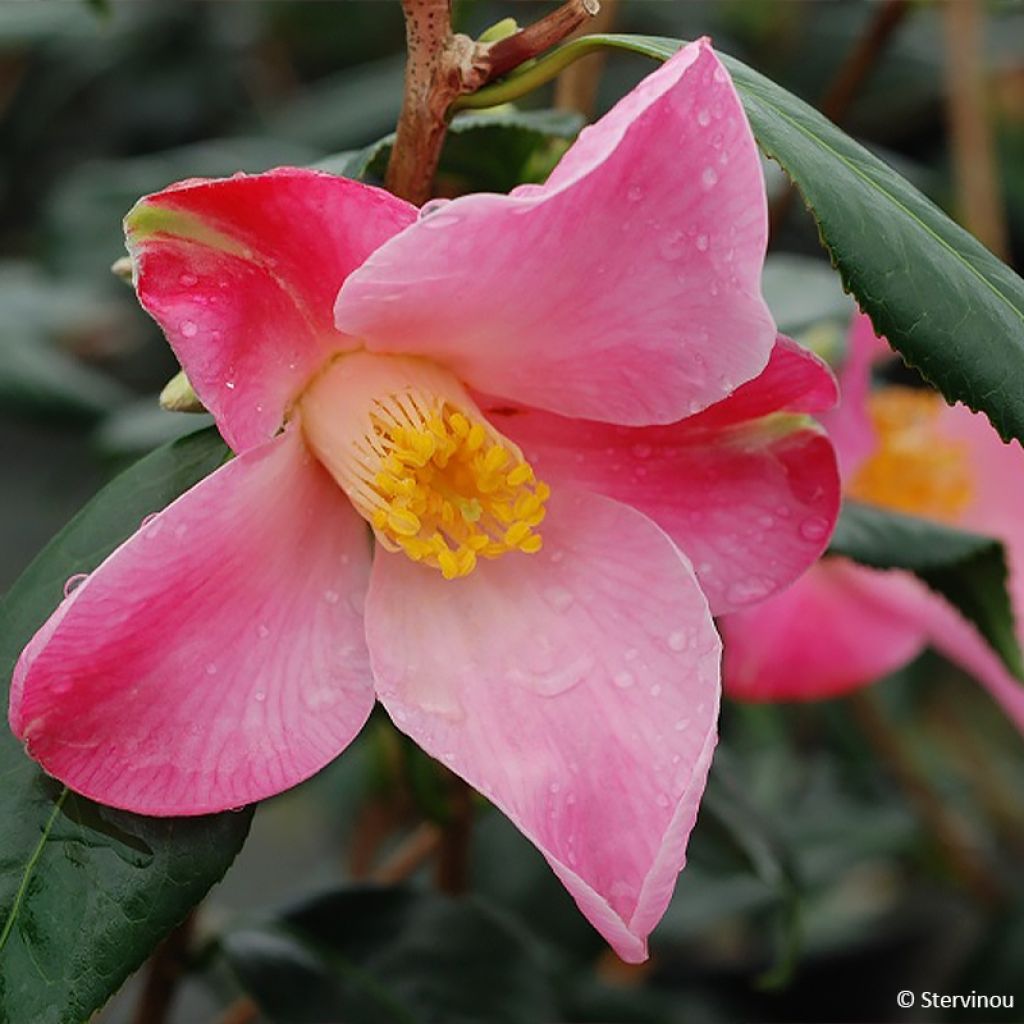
(843, 625)
(527, 613)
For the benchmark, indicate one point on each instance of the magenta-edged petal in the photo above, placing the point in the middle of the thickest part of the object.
(751, 501)
(215, 658)
(241, 273)
(626, 289)
(576, 688)
(840, 627)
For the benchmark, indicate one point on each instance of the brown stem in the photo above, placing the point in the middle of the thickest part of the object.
(166, 967)
(453, 855)
(955, 846)
(516, 49)
(421, 844)
(576, 88)
(970, 126)
(441, 66)
(851, 75)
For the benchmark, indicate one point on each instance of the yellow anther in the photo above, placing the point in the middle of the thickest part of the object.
(436, 481)
(914, 469)
(515, 534)
(523, 473)
(403, 522)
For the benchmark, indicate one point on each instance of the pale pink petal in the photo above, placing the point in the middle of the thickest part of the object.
(218, 656)
(626, 289)
(841, 626)
(576, 688)
(241, 273)
(953, 636)
(849, 425)
(751, 502)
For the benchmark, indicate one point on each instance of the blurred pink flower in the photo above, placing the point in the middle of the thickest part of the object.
(549, 641)
(843, 626)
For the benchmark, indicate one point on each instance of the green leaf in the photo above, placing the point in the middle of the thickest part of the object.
(493, 150)
(967, 569)
(86, 892)
(390, 956)
(945, 303)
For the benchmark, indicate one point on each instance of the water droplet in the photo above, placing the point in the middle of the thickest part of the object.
(663, 801)
(631, 654)
(678, 640)
(189, 328)
(230, 385)
(766, 521)
(623, 680)
(263, 631)
(642, 451)
(703, 117)
(702, 243)
(432, 207)
(709, 177)
(749, 590)
(572, 858)
(720, 76)
(559, 598)
(180, 530)
(260, 696)
(211, 669)
(557, 556)
(815, 528)
(554, 787)
(188, 280)
(332, 596)
(634, 193)
(705, 568)
(672, 245)
(74, 582)
(655, 690)
(146, 520)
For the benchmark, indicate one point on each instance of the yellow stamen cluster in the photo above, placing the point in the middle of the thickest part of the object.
(914, 469)
(447, 490)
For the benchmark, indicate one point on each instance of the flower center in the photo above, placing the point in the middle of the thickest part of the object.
(914, 469)
(420, 463)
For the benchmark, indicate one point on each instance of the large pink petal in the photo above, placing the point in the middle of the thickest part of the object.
(218, 656)
(626, 289)
(749, 496)
(242, 273)
(576, 688)
(840, 627)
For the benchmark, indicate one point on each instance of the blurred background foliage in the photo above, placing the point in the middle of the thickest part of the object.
(846, 850)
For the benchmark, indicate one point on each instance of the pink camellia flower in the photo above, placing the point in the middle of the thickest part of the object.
(533, 400)
(843, 625)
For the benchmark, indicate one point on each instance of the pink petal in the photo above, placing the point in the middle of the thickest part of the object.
(849, 425)
(751, 502)
(241, 274)
(840, 627)
(626, 289)
(576, 688)
(215, 658)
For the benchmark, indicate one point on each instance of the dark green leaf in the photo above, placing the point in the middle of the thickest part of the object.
(86, 892)
(969, 570)
(390, 956)
(945, 303)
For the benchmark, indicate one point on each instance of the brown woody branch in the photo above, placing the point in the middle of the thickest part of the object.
(442, 65)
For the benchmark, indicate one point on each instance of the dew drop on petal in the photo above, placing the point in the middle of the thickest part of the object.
(211, 668)
(188, 280)
(709, 177)
(230, 385)
(432, 207)
(260, 696)
(749, 590)
(189, 328)
(663, 801)
(332, 596)
(559, 598)
(678, 640)
(702, 243)
(74, 582)
(634, 193)
(263, 631)
(623, 680)
(815, 528)
(703, 117)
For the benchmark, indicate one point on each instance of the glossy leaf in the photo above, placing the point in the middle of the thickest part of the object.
(390, 956)
(86, 892)
(967, 569)
(947, 305)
